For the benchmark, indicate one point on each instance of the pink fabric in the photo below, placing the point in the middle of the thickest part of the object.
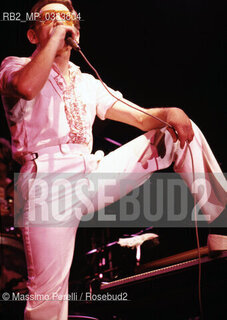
(49, 250)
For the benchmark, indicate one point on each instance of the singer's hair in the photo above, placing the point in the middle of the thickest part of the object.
(41, 3)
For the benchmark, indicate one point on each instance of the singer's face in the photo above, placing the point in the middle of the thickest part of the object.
(51, 15)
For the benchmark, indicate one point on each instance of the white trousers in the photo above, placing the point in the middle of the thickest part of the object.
(49, 250)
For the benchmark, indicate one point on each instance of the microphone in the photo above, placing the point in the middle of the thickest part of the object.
(71, 42)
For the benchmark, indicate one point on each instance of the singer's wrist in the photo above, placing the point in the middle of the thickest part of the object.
(149, 123)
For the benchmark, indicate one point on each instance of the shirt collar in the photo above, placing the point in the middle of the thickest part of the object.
(74, 71)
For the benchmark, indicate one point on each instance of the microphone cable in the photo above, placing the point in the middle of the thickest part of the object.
(73, 43)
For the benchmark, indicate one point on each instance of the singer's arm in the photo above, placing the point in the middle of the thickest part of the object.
(174, 116)
(29, 80)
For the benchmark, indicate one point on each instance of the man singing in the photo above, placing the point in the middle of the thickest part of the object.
(50, 106)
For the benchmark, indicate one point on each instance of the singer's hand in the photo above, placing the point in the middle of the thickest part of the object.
(181, 124)
(59, 32)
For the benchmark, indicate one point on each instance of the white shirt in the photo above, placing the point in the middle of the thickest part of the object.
(42, 122)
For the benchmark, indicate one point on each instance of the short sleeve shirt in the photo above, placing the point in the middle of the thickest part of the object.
(43, 121)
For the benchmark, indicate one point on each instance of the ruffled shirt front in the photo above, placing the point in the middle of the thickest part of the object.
(75, 108)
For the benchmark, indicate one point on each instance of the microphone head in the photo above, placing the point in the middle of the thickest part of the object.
(71, 42)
